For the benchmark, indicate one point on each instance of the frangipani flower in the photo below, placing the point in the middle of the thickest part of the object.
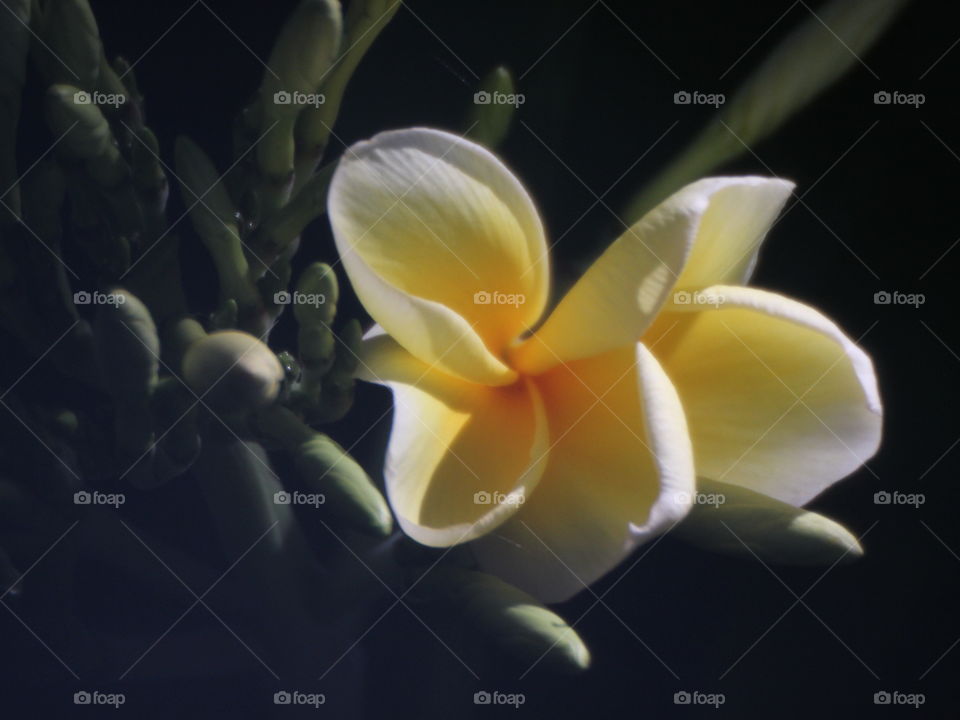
(561, 444)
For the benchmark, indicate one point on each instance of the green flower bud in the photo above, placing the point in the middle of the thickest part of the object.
(488, 122)
(284, 226)
(225, 317)
(813, 57)
(319, 281)
(325, 467)
(87, 135)
(127, 346)
(214, 217)
(363, 23)
(178, 336)
(737, 521)
(512, 620)
(303, 53)
(233, 372)
(317, 346)
(348, 349)
(71, 50)
(302, 56)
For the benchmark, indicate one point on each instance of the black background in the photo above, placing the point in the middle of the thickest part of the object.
(881, 217)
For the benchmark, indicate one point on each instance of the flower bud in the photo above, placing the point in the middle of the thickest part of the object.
(488, 122)
(304, 52)
(317, 280)
(512, 620)
(70, 50)
(127, 346)
(326, 467)
(744, 522)
(232, 371)
(86, 134)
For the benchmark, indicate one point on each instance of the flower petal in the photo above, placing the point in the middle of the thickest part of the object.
(443, 246)
(705, 233)
(778, 399)
(620, 471)
(462, 457)
(741, 211)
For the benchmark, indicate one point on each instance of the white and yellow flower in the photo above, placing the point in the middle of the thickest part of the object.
(560, 450)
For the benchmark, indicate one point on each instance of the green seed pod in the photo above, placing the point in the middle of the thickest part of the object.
(735, 521)
(489, 119)
(71, 49)
(513, 621)
(233, 372)
(317, 281)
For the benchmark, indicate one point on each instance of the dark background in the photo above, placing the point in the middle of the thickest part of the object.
(887, 181)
